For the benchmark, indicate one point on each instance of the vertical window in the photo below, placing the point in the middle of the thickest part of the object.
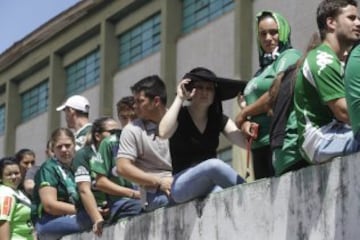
(197, 13)
(83, 74)
(2, 119)
(140, 41)
(34, 101)
(226, 155)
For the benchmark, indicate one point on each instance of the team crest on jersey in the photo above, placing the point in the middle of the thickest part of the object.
(323, 59)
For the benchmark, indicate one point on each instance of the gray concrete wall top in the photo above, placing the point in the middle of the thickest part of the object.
(318, 202)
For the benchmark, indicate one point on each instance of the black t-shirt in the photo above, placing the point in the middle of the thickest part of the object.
(188, 146)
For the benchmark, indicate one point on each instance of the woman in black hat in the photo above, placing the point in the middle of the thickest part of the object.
(193, 133)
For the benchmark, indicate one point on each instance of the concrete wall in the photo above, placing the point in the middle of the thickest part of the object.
(32, 135)
(318, 202)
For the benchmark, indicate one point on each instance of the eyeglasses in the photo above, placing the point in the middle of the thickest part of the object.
(113, 131)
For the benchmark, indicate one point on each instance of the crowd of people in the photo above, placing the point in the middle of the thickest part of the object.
(295, 111)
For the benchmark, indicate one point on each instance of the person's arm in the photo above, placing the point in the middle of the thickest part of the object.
(128, 170)
(339, 109)
(48, 196)
(5, 230)
(168, 123)
(107, 186)
(29, 186)
(258, 107)
(234, 135)
(90, 205)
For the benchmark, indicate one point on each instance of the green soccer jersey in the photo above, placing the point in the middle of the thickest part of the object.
(84, 158)
(15, 209)
(319, 81)
(107, 165)
(80, 136)
(260, 84)
(352, 86)
(53, 174)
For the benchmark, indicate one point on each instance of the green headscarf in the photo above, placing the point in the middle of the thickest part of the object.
(284, 37)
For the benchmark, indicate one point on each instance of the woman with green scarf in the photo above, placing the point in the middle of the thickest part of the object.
(275, 55)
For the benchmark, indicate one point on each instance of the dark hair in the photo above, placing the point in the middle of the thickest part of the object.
(57, 133)
(5, 161)
(22, 152)
(330, 8)
(152, 86)
(98, 126)
(126, 104)
(264, 15)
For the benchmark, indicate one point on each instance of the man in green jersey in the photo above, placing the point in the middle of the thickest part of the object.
(352, 86)
(319, 101)
(76, 110)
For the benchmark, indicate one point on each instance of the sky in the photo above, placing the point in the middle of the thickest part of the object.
(18, 18)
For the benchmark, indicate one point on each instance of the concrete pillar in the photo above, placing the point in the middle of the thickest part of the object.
(12, 116)
(57, 84)
(108, 67)
(170, 31)
(244, 42)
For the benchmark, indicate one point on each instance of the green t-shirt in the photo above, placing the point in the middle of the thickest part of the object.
(15, 208)
(352, 86)
(52, 173)
(260, 84)
(319, 81)
(81, 134)
(106, 165)
(81, 166)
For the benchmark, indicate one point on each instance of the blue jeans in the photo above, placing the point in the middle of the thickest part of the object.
(156, 200)
(50, 227)
(203, 178)
(124, 207)
(329, 141)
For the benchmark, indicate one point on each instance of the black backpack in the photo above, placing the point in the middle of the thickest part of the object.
(282, 105)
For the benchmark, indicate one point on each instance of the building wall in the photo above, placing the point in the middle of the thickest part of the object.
(124, 79)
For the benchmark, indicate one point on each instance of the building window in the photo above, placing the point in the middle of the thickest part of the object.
(34, 101)
(83, 74)
(140, 41)
(2, 119)
(197, 13)
(226, 155)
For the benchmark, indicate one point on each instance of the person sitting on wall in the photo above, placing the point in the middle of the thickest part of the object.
(193, 132)
(143, 157)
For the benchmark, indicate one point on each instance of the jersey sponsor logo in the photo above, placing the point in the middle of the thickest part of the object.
(6, 205)
(323, 59)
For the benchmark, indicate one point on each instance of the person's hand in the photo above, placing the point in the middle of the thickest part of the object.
(165, 184)
(241, 101)
(182, 92)
(135, 194)
(240, 119)
(104, 211)
(250, 129)
(97, 227)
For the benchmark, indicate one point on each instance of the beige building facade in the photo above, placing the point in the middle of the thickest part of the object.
(99, 48)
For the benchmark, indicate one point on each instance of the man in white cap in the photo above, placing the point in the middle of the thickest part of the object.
(76, 110)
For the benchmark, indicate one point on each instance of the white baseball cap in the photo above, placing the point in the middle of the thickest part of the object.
(76, 102)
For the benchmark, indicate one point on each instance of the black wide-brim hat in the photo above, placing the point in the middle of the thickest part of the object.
(225, 88)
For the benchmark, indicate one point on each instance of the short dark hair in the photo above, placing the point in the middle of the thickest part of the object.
(152, 86)
(126, 105)
(22, 152)
(5, 161)
(330, 8)
(98, 126)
